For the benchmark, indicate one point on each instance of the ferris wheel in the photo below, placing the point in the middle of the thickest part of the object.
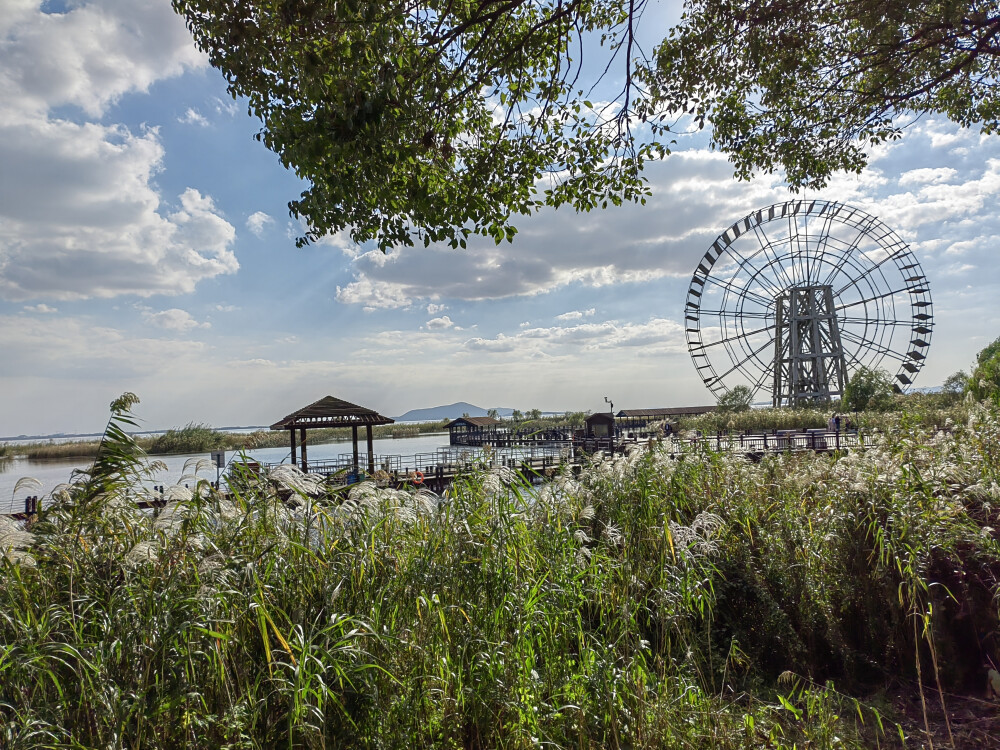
(795, 297)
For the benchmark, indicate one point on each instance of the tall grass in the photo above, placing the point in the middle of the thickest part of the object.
(650, 601)
(201, 438)
(930, 413)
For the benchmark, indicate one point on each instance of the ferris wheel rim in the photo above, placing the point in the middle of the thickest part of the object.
(871, 298)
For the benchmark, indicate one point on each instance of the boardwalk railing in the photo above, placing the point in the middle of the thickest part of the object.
(818, 441)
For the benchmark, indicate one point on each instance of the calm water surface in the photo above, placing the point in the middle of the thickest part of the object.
(53, 472)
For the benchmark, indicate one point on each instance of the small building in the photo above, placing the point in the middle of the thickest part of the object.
(472, 430)
(601, 425)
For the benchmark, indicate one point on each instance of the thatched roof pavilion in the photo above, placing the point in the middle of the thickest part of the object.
(331, 412)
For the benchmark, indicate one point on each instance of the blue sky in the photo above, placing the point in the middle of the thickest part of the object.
(145, 245)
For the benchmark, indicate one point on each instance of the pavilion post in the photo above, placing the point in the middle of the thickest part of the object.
(371, 451)
(291, 432)
(302, 440)
(354, 439)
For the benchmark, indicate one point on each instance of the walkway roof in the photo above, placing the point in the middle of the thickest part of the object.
(475, 422)
(675, 411)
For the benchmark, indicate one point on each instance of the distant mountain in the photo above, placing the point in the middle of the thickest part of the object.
(451, 411)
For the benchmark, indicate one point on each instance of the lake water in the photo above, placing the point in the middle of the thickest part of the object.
(54, 472)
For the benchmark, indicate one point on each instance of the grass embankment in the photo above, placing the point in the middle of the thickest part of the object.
(651, 602)
(199, 438)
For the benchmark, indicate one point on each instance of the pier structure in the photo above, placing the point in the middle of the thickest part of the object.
(535, 461)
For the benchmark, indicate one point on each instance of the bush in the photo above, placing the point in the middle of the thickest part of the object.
(984, 383)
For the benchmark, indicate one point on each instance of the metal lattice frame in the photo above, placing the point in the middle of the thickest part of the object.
(880, 297)
(809, 362)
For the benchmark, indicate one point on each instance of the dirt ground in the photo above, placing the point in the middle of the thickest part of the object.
(974, 720)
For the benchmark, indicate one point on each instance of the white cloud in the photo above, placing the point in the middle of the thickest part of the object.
(433, 309)
(174, 319)
(928, 175)
(576, 314)
(373, 294)
(440, 324)
(80, 214)
(77, 348)
(655, 336)
(258, 221)
(693, 197)
(225, 107)
(91, 55)
(193, 117)
(41, 308)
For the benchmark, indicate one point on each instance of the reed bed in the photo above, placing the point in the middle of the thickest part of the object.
(200, 438)
(913, 410)
(651, 601)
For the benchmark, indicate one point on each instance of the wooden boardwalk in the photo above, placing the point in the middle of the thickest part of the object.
(538, 459)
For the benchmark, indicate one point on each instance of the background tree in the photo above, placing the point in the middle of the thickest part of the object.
(737, 398)
(956, 383)
(493, 414)
(809, 85)
(954, 386)
(868, 388)
(984, 383)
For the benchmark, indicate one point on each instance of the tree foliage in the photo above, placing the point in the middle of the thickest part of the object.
(433, 120)
(428, 120)
(868, 388)
(956, 383)
(737, 398)
(984, 383)
(809, 85)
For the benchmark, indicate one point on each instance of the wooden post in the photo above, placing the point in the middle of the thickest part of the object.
(302, 440)
(371, 450)
(354, 439)
(291, 432)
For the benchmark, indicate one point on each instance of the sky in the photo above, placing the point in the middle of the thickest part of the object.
(146, 246)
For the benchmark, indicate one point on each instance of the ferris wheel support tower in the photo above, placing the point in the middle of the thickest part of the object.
(809, 364)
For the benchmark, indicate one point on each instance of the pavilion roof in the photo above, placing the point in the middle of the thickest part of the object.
(330, 412)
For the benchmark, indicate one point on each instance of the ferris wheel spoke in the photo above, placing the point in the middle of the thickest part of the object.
(846, 320)
(745, 263)
(848, 252)
(866, 300)
(746, 359)
(775, 260)
(821, 247)
(764, 375)
(740, 292)
(898, 249)
(872, 346)
(737, 314)
(734, 337)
